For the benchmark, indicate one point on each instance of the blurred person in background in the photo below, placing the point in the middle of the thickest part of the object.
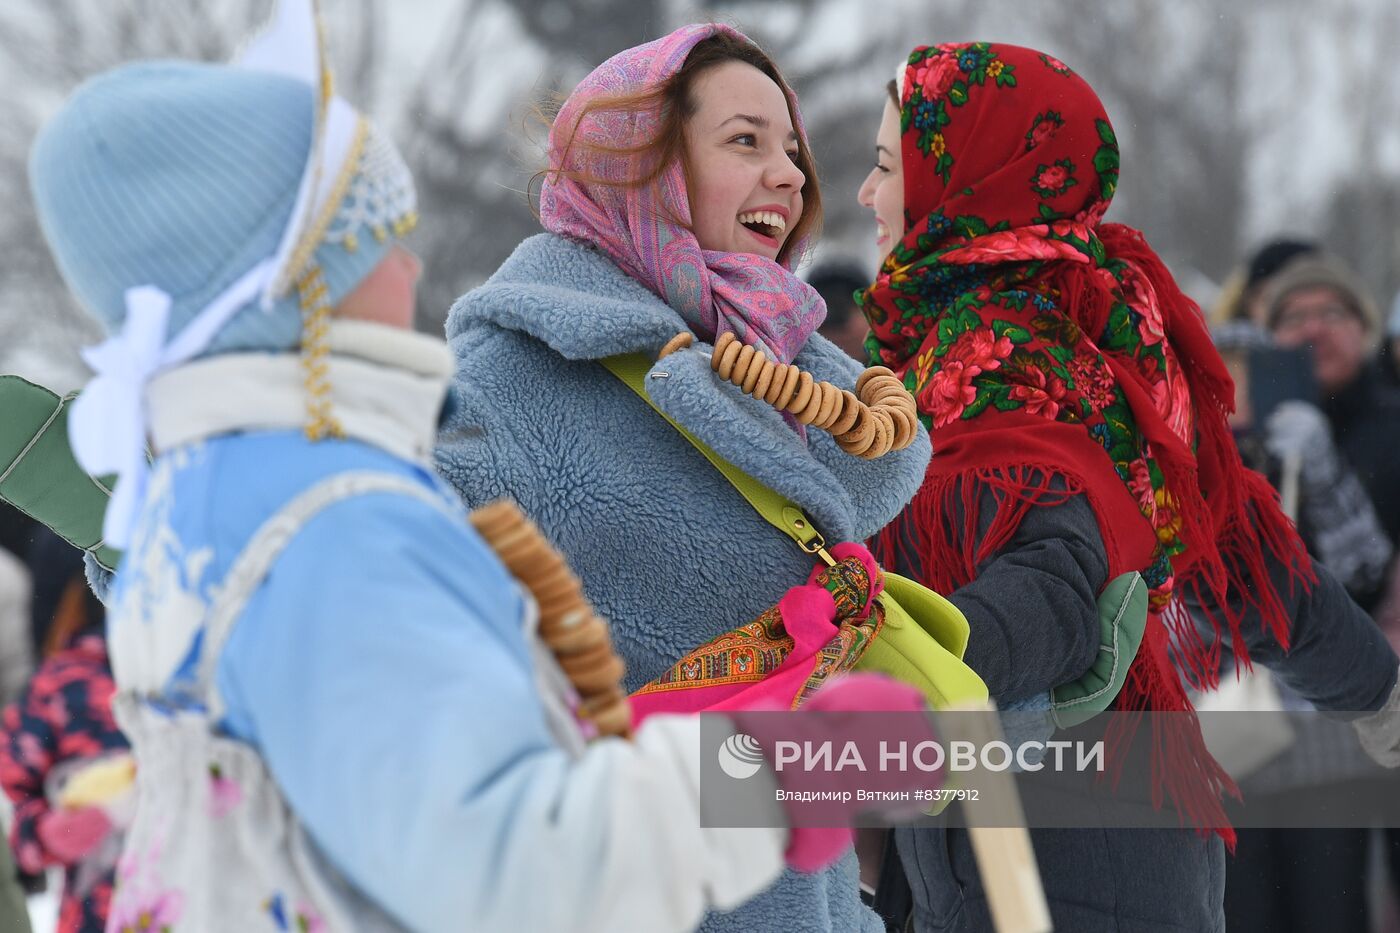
(1281, 880)
(1288, 440)
(844, 326)
(1318, 302)
(1242, 297)
(61, 725)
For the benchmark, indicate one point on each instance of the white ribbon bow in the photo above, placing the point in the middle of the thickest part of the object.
(107, 423)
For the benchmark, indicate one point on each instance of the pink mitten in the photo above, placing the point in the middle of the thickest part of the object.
(812, 848)
(71, 833)
(867, 693)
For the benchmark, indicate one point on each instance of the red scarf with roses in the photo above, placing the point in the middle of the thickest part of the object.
(1053, 355)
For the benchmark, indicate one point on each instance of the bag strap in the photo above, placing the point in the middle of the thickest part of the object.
(778, 510)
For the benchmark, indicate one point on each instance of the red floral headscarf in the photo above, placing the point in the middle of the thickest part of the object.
(1053, 355)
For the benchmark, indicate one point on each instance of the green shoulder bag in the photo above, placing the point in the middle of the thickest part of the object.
(924, 635)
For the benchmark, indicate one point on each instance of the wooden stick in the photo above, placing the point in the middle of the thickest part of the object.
(1004, 855)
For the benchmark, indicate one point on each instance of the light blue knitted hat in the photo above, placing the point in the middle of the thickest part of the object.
(184, 175)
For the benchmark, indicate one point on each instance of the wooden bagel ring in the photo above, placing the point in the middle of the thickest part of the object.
(576, 638)
(601, 699)
(723, 360)
(781, 374)
(561, 612)
(884, 435)
(827, 411)
(679, 342)
(758, 364)
(765, 380)
(741, 364)
(908, 424)
(592, 656)
(888, 393)
(613, 719)
(869, 374)
(805, 388)
(560, 583)
(790, 385)
(495, 517)
(858, 440)
(850, 411)
(814, 405)
(509, 540)
(873, 389)
(903, 431)
(591, 680)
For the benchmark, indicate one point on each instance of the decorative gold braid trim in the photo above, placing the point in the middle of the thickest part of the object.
(311, 237)
(406, 223)
(315, 347)
(327, 79)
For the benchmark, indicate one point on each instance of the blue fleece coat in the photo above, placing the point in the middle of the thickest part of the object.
(667, 550)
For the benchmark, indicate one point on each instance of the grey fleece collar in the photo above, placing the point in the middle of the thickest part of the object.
(571, 297)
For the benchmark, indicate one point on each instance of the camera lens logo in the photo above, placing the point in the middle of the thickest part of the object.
(740, 756)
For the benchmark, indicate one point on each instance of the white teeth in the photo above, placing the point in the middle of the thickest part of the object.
(768, 218)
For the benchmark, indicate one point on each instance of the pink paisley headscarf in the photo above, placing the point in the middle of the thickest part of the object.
(760, 301)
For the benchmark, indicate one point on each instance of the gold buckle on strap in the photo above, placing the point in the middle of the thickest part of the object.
(811, 540)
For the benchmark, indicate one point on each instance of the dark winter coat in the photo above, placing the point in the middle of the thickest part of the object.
(1129, 881)
(1365, 418)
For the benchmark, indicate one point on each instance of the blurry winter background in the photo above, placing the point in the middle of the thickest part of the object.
(1238, 120)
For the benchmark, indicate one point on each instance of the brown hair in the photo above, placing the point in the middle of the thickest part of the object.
(672, 99)
(893, 89)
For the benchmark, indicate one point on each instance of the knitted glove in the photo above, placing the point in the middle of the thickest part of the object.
(70, 833)
(1380, 732)
(1347, 535)
(809, 848)
(1297, 430)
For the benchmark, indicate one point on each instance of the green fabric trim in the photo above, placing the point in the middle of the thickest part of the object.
(1122, 619)
(38, 473)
